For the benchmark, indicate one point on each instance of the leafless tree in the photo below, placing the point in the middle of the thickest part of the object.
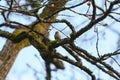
(36, 33)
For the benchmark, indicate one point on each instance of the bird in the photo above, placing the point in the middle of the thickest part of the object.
(57, 36)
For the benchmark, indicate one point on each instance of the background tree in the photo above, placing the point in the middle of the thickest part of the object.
(44, 13)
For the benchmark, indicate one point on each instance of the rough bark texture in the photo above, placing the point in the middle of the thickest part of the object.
(11, 50)
(8, 56)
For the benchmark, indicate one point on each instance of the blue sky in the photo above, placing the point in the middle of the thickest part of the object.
(107, 43)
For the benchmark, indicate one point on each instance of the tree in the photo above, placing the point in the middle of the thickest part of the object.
(36, 34)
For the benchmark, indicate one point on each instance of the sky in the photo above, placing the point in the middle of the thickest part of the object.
(28, 62)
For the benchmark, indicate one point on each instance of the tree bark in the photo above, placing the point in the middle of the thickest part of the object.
(8, 55)
(11, 50)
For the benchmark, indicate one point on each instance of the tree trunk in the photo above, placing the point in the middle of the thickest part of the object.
(8, 55)
(11, 50)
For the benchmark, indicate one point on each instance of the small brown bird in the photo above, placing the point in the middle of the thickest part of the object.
(57, 36)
